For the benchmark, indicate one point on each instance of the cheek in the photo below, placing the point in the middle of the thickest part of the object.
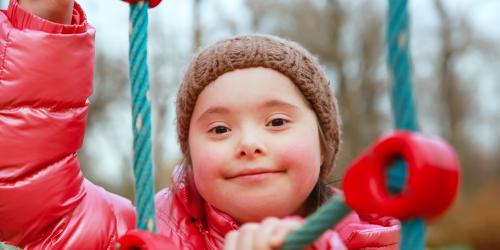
(205, 160)
(205, 172)
(208, 163)
(301, 157)
(301, 154)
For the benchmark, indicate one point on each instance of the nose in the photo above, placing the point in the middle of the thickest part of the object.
(250, 146)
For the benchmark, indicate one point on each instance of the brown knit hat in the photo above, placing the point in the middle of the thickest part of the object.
(246, 51)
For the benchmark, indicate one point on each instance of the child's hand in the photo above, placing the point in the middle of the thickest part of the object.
(270, 234)
(58, 11)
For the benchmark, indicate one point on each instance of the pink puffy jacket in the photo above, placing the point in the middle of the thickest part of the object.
(46, 74)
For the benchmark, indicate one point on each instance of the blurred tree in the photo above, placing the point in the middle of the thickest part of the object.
(456, 99)
(110, 88)
(164, 72)
(111, 100)
(472, 218)
(197, 35)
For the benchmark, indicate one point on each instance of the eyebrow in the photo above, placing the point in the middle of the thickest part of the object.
(268, 104)
(277, 103)
(214, 110)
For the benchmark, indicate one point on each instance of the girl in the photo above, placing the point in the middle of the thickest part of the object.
(256, 121)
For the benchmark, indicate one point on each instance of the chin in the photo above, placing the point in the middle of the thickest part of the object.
(257, 211)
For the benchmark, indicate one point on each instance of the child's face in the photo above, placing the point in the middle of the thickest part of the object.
(254, 145)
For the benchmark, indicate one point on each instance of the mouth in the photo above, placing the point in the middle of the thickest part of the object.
(256, 174)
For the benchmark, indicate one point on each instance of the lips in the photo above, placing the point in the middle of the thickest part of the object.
(255, 172)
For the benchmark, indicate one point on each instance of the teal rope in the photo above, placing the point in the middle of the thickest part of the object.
(141, 113)
(397, 39)
(5, 246)
(323, 219)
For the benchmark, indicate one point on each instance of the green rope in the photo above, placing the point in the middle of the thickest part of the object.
(405, 116)
(323, 219)
(4, 246)
(141, 113)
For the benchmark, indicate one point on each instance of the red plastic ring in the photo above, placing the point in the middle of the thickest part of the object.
(152, 3)
(432, 184)
(143, 240)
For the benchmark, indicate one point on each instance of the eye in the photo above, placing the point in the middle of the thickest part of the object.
(277, 122)
(219, 129)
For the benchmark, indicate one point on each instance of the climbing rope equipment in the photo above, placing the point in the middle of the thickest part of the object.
(141, 113)
(403, 107)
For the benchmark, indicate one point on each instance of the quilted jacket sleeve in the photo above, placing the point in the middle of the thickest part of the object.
(46, 72)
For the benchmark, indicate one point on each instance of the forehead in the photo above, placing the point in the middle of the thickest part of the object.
(250, 87)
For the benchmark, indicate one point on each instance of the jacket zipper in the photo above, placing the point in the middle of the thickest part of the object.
(208, 244)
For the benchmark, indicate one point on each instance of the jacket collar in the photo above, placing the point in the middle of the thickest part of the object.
(197, 208)
(370, 230)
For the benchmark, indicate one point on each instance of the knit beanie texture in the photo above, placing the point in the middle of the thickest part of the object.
(247, 51)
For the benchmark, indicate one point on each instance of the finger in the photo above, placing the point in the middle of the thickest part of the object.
(231, 240)
(264, 233)
(246, 236)
(280, 234)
